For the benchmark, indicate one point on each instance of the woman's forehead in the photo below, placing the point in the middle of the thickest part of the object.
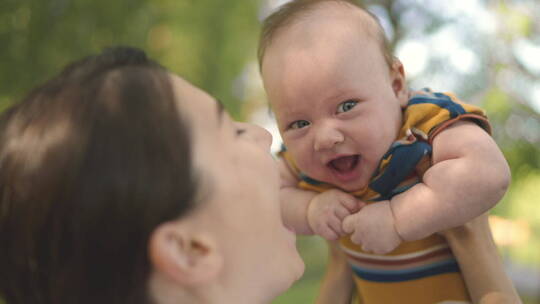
(195, 102)
(206, 119)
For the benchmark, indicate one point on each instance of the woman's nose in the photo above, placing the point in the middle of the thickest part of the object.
(260, 135)
(264, 138)
(327, 137)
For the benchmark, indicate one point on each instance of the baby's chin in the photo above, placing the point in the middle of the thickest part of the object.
(351, 186)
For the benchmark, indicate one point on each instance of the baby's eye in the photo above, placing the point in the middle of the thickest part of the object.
(299, 124)
(346, 106)
(240, 132)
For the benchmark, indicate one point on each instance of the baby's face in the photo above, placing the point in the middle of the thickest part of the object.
(337, 103)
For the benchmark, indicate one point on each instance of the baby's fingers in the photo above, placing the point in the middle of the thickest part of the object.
(350, 203)
(328, 233)
(341, 212)
(348, 224)
(360, 204)
(335, 224)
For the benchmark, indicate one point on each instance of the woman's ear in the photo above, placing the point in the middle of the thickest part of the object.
(399, 82)
(183, 256)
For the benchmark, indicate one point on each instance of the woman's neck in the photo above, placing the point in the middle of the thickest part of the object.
(168, 293)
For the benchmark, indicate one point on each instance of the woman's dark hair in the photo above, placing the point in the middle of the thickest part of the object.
(91, 163)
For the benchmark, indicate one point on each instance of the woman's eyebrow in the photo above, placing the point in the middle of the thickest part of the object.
(220, 110)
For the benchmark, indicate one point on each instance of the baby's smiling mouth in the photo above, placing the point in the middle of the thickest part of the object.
(344, 164)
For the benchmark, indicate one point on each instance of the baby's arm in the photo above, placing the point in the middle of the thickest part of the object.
(309, 212)
(294, 201)
(469, 175)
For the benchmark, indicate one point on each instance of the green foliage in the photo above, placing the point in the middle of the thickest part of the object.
(524, 197)
(517, 22)
(41, 36)
(496, 103)
(208, 42)
(314, 253)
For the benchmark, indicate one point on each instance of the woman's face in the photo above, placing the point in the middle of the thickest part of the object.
(240, 195)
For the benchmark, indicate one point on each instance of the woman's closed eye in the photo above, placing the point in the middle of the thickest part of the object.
(346, 106)
(299, 124)
(240, 131)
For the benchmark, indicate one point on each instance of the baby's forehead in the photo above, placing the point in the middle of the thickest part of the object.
(319, 15)
(328, 32)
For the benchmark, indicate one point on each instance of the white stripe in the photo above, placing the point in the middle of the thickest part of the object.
(393, 257)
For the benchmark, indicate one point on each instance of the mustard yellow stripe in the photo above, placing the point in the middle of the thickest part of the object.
(443, 287)
(432, 241)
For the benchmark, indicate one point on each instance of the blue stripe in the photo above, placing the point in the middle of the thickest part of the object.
(448, 260)
(402, 189)
(402, 164)
(310, 180)
(394, 192)
(442, 101)
(447, 266)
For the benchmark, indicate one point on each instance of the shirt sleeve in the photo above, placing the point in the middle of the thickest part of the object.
(429, 113)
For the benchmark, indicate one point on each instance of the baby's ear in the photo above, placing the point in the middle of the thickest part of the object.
(399, 82)
(182, 256)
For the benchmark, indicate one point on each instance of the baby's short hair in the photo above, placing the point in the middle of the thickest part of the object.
(290, 12)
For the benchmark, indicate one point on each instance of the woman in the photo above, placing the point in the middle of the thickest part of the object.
(123, 183)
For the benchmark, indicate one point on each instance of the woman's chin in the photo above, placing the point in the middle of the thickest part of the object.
(302, 268)
(298, 270)
(295, 272)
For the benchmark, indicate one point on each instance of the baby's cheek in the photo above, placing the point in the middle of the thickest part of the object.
(306, 160)
(304, 164)
(316, 171)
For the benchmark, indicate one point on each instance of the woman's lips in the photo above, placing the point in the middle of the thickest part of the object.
(343, 167)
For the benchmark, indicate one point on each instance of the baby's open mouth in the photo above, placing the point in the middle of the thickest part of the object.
(344, 164)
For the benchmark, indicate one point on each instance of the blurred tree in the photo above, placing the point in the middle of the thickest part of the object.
(484, 50)
(206, 41)
(38, 37)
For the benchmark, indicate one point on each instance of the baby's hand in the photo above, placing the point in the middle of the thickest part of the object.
(373, 228)
(327, 210)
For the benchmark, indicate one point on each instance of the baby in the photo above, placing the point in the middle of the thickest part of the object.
(369, 161)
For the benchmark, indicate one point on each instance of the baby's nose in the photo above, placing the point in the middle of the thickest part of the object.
(327, 137)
